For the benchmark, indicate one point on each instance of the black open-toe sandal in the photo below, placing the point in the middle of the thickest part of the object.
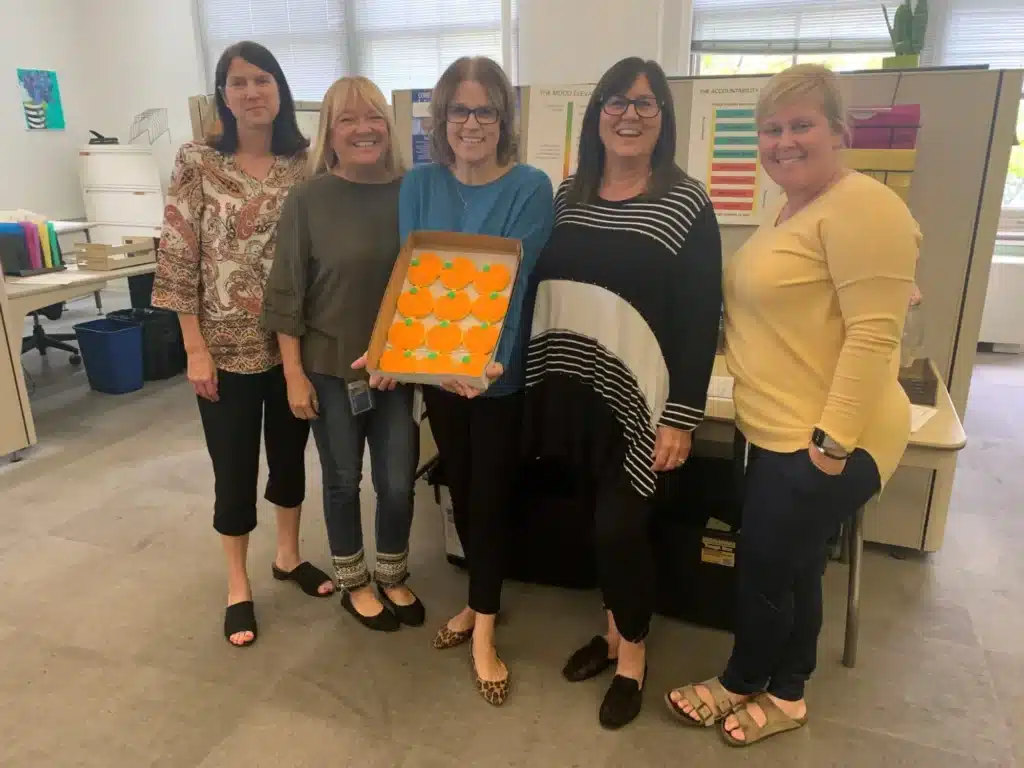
(240, 617)
(307, 576)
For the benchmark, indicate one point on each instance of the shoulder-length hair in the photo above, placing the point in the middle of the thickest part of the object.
(500, 94)
(616, 82)
(287, 139)
(354, 87)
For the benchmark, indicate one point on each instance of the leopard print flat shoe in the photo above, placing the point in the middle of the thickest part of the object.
(447, 637)
(495, 692)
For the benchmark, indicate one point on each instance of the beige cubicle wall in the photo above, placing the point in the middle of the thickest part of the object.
(968, 118)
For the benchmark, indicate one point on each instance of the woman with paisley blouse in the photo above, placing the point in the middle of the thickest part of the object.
(217, 246)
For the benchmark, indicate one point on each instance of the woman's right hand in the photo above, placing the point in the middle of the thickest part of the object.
(202, 374)
(376, 380)
(302, 397)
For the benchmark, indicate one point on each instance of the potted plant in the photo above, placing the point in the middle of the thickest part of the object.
(906, 30)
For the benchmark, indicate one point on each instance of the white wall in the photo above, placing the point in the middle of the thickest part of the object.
(575, 41)
(39, 169)
(142, 55)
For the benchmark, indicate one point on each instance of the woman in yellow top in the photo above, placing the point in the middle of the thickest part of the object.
(814, 308)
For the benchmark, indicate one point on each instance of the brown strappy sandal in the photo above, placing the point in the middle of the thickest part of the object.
(776, 722)
(725, 702)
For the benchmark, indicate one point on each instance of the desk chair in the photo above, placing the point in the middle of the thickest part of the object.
(42, 341)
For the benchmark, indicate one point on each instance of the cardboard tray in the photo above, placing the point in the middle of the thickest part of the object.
(480, 250)
(100, 257)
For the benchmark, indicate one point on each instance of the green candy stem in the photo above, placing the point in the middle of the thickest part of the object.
(444, 323)
(414, 290)
(407, 353)
(486, 268)
(494, 296)
(415, 262)
(408, 321)
(432, 356)
(466, 358)
(485, 325)
(447, 265)
(451, 294)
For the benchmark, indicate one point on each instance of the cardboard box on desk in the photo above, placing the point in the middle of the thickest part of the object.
(99, 257)
(443, 311)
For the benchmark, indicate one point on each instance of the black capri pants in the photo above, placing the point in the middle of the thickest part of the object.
(250, 403)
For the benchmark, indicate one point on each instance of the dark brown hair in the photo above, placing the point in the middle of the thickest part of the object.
(616, 82)
(500, 94)
(287, 139)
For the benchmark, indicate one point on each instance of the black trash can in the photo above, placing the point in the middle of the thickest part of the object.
(163, 349)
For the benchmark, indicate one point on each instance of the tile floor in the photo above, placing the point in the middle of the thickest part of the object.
(112, 654)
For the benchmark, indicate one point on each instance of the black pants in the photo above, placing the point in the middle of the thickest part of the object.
(791, 509)
(478, 441)
(625, 556)
(249, 403)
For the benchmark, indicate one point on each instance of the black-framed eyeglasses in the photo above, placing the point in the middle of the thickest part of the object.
(460, 113)
(645, 106)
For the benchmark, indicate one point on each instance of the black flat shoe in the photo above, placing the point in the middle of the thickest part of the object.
(384, 621)
(622, 703)
(587, 662)
(412, 615)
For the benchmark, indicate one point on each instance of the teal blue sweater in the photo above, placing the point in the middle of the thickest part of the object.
(518, 205)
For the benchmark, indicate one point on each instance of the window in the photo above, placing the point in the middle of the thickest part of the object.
(790, 26)
(745, 37)
(397, 43)
(992, 32)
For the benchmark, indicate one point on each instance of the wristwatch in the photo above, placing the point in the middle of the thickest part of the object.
(827, 446)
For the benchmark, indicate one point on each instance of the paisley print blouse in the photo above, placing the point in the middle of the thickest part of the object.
(217, 245)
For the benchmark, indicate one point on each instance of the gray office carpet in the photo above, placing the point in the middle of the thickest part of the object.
(111, 653)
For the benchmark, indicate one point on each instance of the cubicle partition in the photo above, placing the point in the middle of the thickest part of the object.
(963, 145)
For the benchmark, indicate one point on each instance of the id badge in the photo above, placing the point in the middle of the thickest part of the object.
(360, 397)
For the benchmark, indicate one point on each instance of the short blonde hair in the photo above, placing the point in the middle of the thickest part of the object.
(500, 94)
(323, 157)
(800, 82)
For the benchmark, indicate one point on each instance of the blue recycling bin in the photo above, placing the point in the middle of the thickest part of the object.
(112, 354)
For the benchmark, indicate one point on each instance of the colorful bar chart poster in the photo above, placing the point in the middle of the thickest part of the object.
(553, 131)
(723, 150)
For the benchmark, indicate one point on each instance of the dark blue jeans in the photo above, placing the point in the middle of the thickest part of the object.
(790, 511)
(394, 450)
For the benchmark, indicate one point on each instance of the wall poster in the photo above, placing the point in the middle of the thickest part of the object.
(421, 126)
(723, 150)
(40, 100)
(553, 131)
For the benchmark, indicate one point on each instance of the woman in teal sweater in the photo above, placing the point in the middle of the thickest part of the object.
(476, 186)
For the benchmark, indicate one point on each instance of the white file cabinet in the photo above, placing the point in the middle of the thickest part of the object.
(1002, 321)
(122, 191)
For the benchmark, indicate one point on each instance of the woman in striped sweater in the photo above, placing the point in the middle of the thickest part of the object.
(625, 324)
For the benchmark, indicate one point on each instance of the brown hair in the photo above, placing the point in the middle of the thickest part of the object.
(500, 95)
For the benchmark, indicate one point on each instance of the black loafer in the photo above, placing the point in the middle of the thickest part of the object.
(412, 615)
(587, 662)
(622, 702)
(384, 621)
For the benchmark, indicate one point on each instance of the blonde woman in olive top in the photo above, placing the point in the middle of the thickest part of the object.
(814, 308)
(337, 242)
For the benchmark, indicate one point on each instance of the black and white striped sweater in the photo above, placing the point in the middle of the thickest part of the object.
(627, 302)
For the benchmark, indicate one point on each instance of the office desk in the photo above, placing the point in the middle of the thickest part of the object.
(22, 295)
(934, 446)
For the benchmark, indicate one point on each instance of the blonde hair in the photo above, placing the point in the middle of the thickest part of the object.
(805, 81)
(323, 157)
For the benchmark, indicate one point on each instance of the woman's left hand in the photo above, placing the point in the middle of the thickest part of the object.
(671, 448)
(827, 465)
(492, 371)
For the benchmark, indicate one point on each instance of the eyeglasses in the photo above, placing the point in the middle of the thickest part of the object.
(645, 106)
(460, 113)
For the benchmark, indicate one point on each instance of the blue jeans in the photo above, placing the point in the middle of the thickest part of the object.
(394, 450)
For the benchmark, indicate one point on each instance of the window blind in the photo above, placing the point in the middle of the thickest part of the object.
(791, 26)
(985, 32)
(409, 44)
(397, 43)
(308, 37)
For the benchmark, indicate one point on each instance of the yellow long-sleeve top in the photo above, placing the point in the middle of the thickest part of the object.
(814, 312)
